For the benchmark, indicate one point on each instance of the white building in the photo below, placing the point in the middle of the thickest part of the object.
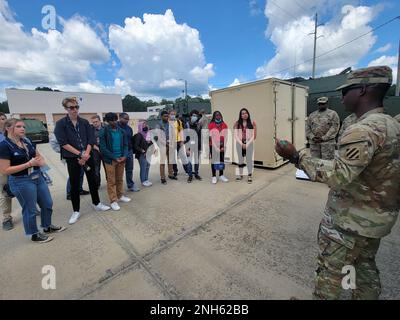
(46, 105)
(157, 108)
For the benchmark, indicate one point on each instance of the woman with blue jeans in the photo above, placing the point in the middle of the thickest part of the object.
(140, 142)
(21, 162)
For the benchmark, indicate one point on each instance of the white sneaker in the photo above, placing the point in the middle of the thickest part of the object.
(223, 179)
(214, 180)
(101, 207)
(115, 206)
(74, 218)
(147, 184)
(125, 199)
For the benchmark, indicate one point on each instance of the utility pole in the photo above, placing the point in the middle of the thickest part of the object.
(315, 42)
(186, 98)
(315, 45)
(186, 95)
(398, 74)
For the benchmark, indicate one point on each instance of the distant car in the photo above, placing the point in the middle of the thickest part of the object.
(36, 131)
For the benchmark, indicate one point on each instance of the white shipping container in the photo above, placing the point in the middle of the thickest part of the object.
(278, 108)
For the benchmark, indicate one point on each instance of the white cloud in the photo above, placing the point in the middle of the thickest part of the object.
(289, 27)
(384, 60)
(49, 58)
(157, 52)
(236, 82)
(384, 49)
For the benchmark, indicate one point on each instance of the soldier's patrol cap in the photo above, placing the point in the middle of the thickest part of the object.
(371, 75)
(322, 100)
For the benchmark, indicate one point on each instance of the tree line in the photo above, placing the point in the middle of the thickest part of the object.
(129, 103)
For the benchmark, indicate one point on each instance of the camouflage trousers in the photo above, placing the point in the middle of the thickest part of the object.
(324, 150)
(351, 250)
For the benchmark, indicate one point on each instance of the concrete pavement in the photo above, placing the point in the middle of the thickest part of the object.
(182, 241)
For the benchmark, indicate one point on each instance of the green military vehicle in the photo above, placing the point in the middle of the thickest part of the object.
(36, 131)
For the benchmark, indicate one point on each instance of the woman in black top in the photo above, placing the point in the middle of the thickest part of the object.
(141, 142)
(21, 162)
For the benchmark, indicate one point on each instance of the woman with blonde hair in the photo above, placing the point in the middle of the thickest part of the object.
(20, 160)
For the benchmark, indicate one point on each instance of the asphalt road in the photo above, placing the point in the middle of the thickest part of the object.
(180, 241)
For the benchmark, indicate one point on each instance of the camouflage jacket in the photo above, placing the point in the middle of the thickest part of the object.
(364, 176)
(323, 124)
(351, 119)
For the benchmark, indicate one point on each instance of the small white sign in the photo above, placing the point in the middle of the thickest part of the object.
(300, 174)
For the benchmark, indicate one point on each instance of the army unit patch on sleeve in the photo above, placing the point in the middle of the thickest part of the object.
(353, 153)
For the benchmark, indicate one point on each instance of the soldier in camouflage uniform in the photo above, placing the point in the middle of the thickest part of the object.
(364, 178)
(322, 127)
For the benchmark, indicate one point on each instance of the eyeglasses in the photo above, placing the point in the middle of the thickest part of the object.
(346, 90)
(73, 108)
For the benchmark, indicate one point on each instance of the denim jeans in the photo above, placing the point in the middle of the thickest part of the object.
(187, 166)
(80, 181)
(129, 170)
(30, 192)
(144, 168)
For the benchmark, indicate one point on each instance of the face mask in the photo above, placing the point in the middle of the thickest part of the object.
(172, 118)
(145, 129)
(193, 119)
(218, 121)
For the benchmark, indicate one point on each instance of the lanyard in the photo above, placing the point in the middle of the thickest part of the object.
(77, 131)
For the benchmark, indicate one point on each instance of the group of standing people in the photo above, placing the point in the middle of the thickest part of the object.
(172, 140)
(87, 147)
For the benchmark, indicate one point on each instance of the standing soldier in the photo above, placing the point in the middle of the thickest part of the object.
(364, 178)
(322, 127)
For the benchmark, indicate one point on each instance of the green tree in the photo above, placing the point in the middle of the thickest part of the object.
(4, 107)
(46, 89)
(133, 104)
(392, 91)
(43, 89)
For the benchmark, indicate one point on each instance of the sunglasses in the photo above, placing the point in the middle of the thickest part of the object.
(73, 108)
(346, 90)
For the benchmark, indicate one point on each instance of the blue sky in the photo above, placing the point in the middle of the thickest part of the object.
(223, 42)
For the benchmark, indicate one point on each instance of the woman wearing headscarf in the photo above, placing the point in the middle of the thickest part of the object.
(218, 138)
(141, 142)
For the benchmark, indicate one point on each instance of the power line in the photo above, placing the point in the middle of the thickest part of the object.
(342, 45)
(300, 6)
(284, 10)
(327, 52)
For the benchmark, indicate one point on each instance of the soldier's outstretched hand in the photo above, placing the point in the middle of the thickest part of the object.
(285, 149)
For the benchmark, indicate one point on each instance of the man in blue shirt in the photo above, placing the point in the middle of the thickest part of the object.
(123, 124)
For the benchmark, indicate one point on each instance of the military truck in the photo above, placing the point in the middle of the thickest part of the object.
(36, 131)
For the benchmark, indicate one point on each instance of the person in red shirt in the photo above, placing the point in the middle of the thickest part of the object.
(218, 137)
